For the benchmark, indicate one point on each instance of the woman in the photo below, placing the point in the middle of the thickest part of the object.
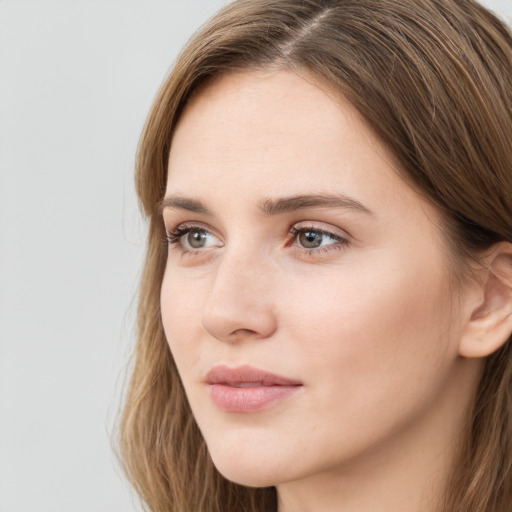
(326, 326)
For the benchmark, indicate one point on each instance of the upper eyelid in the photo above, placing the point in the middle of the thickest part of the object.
(190, 225)
(312, 227)
(298, 225)
(332, 230)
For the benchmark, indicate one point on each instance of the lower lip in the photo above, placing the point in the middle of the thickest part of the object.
(248, 399)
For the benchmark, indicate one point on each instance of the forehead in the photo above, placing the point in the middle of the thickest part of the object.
(249, 136)
(251, 94)
(262, 122)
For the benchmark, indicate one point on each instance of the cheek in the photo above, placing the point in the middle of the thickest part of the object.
(376, 340)
(377, 304)
(181, 304)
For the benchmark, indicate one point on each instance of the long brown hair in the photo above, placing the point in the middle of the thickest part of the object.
(433, 78)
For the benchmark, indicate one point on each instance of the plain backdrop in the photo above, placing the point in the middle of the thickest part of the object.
(77, 78)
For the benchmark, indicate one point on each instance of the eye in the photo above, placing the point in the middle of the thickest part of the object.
(192, 238)
(195, 239)
(313, 238)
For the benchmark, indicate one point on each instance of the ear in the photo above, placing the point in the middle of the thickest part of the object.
(490, 321)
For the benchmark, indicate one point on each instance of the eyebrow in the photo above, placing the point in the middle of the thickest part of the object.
(184, 203)
(293, 203)
(273, 207)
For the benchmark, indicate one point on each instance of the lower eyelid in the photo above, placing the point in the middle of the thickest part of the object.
(337, 246)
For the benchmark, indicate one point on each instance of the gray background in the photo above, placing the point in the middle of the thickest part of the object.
(77, 78)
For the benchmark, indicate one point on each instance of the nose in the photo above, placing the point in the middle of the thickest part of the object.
(239, 304)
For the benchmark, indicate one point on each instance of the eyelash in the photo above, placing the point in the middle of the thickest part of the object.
(176, 234)
(341, 242)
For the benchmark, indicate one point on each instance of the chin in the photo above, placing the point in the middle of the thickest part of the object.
(251, 468)
(248, 475)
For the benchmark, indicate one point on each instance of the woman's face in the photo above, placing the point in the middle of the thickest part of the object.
(306, 295)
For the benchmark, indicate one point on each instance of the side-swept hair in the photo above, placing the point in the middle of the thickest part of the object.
(433, 78)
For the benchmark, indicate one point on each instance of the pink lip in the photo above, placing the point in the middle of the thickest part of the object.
(247, 389)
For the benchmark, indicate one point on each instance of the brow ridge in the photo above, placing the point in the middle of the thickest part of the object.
(275, 206)
(288, 204)
(183, 203)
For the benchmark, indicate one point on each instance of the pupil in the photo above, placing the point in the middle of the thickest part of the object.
(197, 239)
(310, 239)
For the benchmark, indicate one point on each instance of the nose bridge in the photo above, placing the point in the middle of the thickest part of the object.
(239, 303)
(243, 264)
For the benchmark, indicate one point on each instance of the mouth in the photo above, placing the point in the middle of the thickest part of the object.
(245, 389)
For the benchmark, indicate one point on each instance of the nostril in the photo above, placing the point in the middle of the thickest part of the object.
(234, 324)
(244, 332)
(240, 334)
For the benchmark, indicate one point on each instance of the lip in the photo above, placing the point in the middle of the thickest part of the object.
(245, 389)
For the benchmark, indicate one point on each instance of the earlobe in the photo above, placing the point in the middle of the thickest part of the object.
(490, 323)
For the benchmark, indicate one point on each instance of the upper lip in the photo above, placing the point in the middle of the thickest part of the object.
(246, 375)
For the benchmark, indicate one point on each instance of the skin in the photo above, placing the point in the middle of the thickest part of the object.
(370, 322)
